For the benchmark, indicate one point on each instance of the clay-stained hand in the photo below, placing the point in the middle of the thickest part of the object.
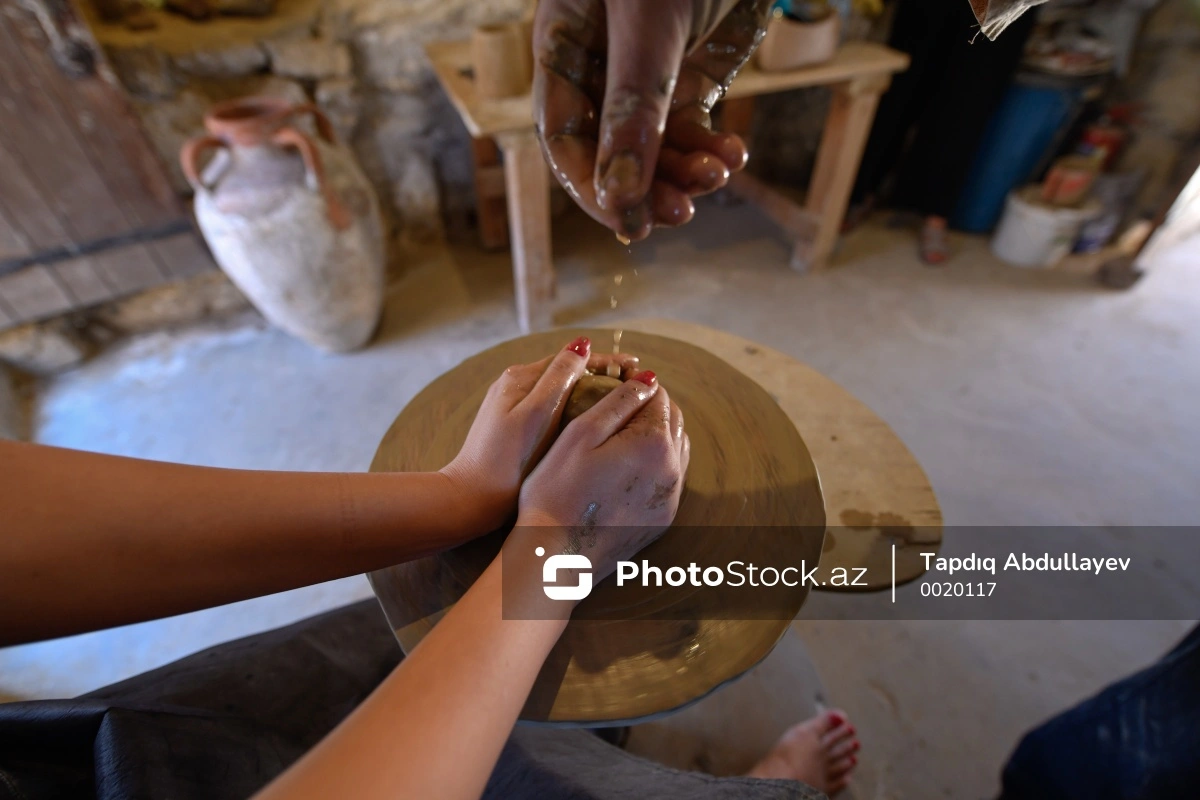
(623, 90)
(611, 483)
(516, 424)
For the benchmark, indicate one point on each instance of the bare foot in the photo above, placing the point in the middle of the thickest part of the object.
(819, 751)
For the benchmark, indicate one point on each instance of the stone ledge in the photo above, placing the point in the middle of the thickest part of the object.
(14, 412)
(44, 348)
(207, 296)
(52, 346)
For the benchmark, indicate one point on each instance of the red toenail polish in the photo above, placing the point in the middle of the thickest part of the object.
(854, 747)
(837, 718)
(853, 760)
(851, 729)
(647, 377)
(581, 347)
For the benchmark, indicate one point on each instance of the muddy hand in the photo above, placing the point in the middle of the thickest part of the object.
(623, 90)
(611, 483)
(516, 423)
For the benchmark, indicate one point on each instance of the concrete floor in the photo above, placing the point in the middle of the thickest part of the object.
(1029, 398)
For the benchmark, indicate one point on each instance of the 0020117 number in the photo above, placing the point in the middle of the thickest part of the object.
(935, 589)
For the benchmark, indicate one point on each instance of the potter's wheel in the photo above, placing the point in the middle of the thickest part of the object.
(749, 468)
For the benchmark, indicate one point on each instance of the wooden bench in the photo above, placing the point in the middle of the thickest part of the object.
(512, 181)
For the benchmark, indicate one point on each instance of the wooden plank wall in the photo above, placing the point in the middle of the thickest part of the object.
(75, 168)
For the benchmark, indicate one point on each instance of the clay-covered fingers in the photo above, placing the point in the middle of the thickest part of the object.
(656, 435)
(675, 421)
(670, 207)
(572, 159)
(646, 45)
(615, 365)
(570, 39)
(603, 81)
(554, 377)
(695, 173)
(689, 131)
(653, 419)
(512, 430)
(615, 468)
(622, 94)
(514, 384)
(609, 416)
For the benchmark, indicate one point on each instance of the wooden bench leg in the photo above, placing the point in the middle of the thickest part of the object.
(527, 179)
(490, 206)
(851, 112)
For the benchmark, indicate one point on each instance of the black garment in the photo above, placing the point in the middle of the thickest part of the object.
(220, 723)
(1139, 738)
(957, 78)
(224, 722)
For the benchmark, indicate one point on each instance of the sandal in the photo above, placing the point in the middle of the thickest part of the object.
(932, 244)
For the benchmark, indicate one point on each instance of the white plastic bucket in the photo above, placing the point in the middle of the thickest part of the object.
(1035, 235)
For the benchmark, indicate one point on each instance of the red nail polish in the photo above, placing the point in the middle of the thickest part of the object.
(853, 760)
(581, 347)
(852, 731)
(647, 377)
(837, 718)
(854, 747)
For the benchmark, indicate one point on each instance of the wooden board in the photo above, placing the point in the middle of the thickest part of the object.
(528, 180)
(749, 469)
(76, 170)
(853, 60)
(34, 293)
(875, 492)
(452, 64)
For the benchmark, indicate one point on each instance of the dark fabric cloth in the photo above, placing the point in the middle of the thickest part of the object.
(220, 723)
(223, 722)
(1138, 739)
(949, 92)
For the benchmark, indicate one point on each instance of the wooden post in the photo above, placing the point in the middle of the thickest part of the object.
(528, 181)
(490, 207)
(851, 111)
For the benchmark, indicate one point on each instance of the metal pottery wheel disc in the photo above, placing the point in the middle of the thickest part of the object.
(749, 467)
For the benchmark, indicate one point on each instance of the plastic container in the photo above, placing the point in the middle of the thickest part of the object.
(1032, 234)
(792, 44)
(1024, 131)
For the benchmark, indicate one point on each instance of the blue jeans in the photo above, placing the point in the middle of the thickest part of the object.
(1138, 738)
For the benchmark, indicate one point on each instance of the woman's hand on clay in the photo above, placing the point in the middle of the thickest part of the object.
(623, 91)
(611, 483)
(515, 426)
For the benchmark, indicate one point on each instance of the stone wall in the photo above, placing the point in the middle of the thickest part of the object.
(361, 61)
(1162, 82)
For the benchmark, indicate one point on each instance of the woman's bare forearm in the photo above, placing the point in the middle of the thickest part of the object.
(90, 541)
(437, 724)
